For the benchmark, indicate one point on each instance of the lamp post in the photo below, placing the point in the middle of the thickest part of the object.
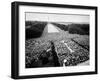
(64, 61)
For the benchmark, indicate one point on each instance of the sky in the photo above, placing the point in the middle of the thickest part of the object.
(76, 18)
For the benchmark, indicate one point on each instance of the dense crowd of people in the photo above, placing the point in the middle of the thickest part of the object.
(83, 41)
(61, 48)
(73, 45)
(40, 53)
(78, 56)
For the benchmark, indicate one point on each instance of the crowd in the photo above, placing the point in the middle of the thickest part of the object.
(61, 48)
(78, 56)
(83, 41)
(73, 45)
(39, 53)
(62, 51)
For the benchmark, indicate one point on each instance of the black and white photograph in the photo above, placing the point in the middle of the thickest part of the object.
(56, 40)
(51, 40)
